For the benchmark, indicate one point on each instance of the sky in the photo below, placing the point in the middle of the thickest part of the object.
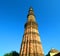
(13, 16)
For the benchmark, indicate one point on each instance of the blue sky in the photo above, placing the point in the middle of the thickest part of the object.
(13, 16)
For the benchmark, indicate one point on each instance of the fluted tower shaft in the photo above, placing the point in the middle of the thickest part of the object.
(31, 43)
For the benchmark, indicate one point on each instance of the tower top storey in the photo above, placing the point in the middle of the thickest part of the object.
(31, 8)
(31, 17)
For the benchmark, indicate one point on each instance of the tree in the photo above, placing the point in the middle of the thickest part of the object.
(13, 53)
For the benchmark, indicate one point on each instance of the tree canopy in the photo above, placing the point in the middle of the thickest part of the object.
(13, 53)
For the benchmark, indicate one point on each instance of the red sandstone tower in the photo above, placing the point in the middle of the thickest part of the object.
(31, 43)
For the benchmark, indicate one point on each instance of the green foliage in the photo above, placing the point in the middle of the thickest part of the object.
(13, 53)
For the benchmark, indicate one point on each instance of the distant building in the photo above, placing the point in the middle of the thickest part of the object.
(57, 54)
(31, 43)
(52, 52)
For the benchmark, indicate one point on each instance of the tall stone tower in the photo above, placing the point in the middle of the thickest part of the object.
(31, 43)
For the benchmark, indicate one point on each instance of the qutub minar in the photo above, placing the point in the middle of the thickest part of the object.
(31, 43)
